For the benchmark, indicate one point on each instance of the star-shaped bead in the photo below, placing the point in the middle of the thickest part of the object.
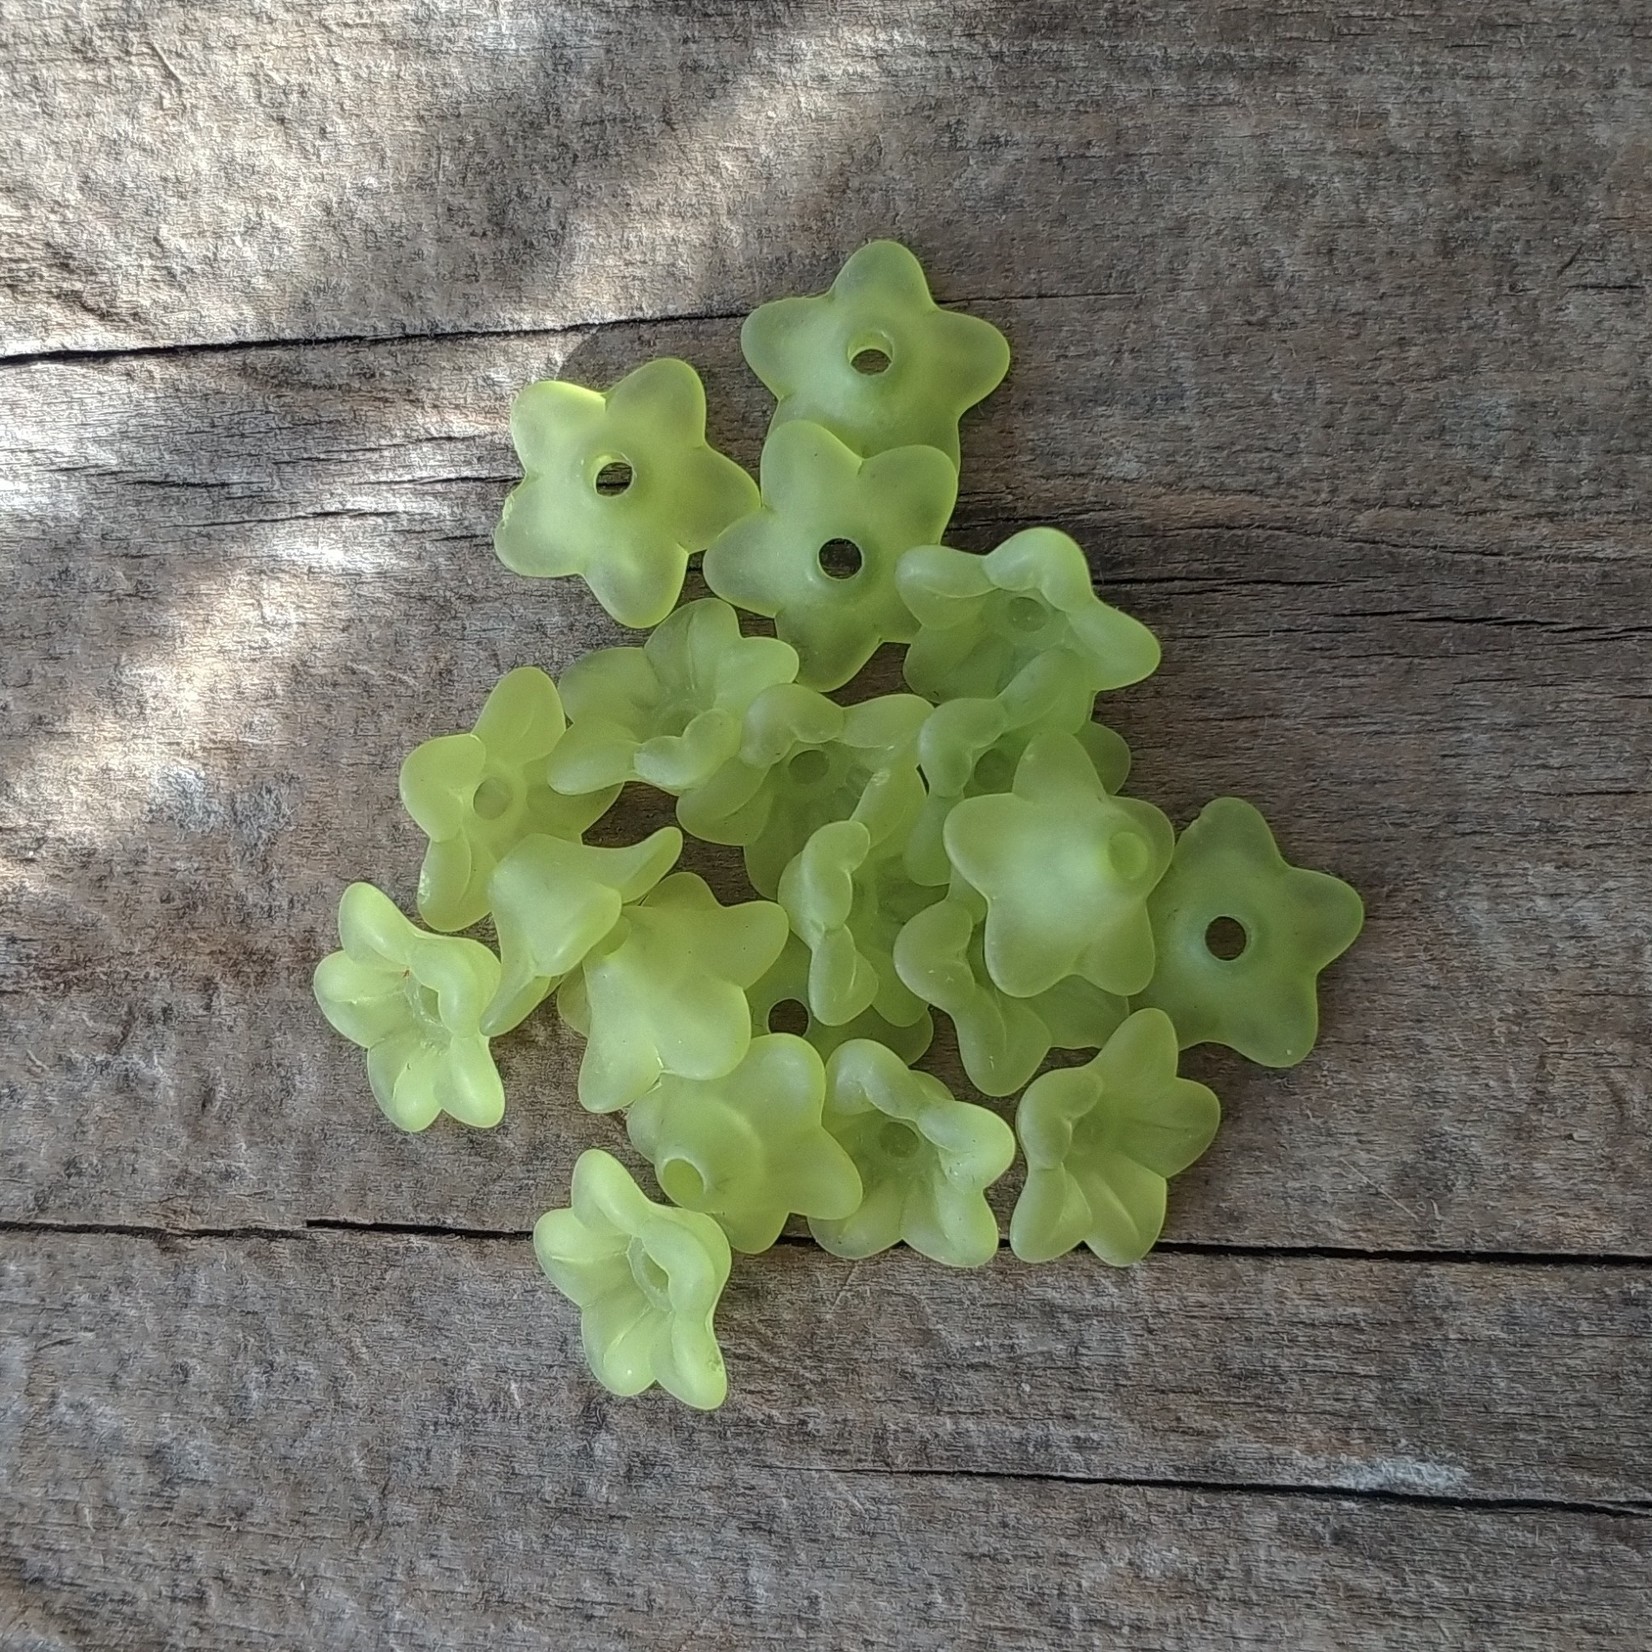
(414, 1002)
(875, 360)
(1101, 1141)
(780, 1003)
(817, 495)
(1261, 999)
(671, 492)
(646, 1280)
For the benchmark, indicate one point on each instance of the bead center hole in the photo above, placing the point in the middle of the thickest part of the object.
(614, 476)
(809, 767)
(683, 1184)
(870, 359)
(1128, 855)
(1026, 614)
(652, 1280)
(425, 1003)
(492, 798)
(789, 1016)
(1226, 939)
(840, 559)
(898, 1140)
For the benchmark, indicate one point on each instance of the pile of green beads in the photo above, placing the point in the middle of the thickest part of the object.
(965, 849)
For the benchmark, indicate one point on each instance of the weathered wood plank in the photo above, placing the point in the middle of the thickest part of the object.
(240, 586)
(341, 1438)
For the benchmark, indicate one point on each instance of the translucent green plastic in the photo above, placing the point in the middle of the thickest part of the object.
(646, 1280)
(631, 546)
(876, 360)
(1023, 622)
(477, 795)
(817, 492)
(665, 991)
(414, 1002)
(748, 1148)
(1065, 870)
(780, 1003)
(1263, 1002)
(925, 1161)
(668, 714)
(1101, 1141)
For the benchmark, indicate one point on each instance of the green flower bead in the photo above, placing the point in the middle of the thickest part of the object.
(816, 492)
(646, 1280)
(847, 895)
(669, 713)
(1263, 1001)
(1102, 1139)
(785, 988)
(631, 546)
(554, 901)
(477, 795)
(925, 1160)
(1001, 1040)
(665, 991)
(968, 748)
(414, 1002)
(1065, 870)
(1021, 621)
(749, 1148)
(939, 363)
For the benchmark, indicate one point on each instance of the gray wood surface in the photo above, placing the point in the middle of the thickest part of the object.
(1330, 338)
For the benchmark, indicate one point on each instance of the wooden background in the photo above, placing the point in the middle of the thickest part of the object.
(1331, 345)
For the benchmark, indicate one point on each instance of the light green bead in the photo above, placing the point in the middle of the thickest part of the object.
(925, 1160)
(1263, 1002)
(1065, 870)
(664, 992)
(646, 1280)
(477, 795)
(631, 547)
(816, 491)
(554, 901)
(783, 996)
(414, 1002)
(669, 713)
(749, 1148)
(1022, 621)
(1101, 1141)
(939, 363)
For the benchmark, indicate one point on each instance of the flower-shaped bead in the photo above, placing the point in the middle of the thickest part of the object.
(1022, 621)
(967, 748)
(414, 1002)
(1065, 870)
(673, 493)
(646, 1280)
(876, 360)
(1001, 1040)
(847, 895)
(1261, 998)
(817, 494)
(553, 901)
(749, 1148)
(477, 795)
(664, 992)
(669, 713)
(1101, 1141)
(780, 1003)
(925, 1160)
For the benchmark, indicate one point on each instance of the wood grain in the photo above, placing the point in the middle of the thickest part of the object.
(349, 1439)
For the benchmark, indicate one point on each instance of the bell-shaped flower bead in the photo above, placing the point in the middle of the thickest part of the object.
(925, 1161)
(749, 1148)
(780, 1003)
(646, 1279)
(414, 1002)
(665, 991)
(876, 360)
(477, 795)
(1102, 1140)
(672, 493)
(553, 901)
(1261, 998)
(670, 713)
(1022, 621)
(816, 493)
(1065, 870)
